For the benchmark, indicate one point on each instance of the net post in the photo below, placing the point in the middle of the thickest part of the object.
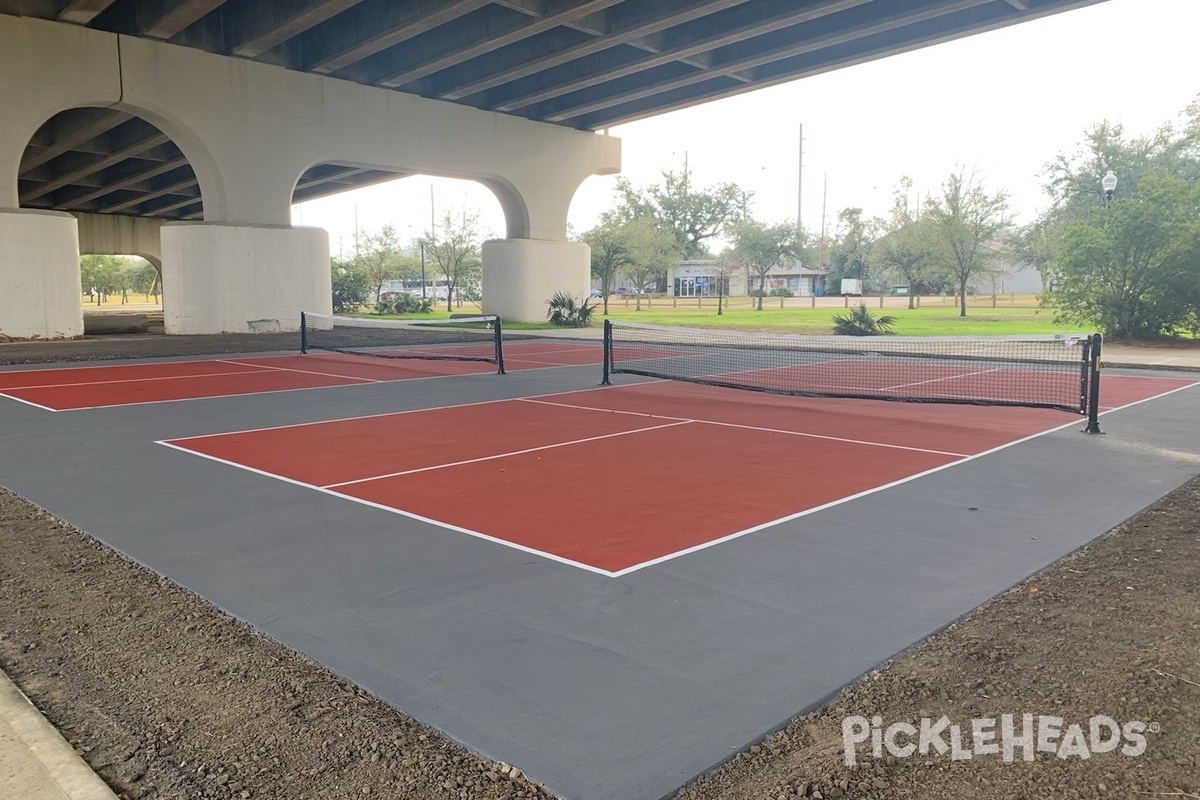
(499, 346)
(607, 352)
(303, 334)
(1094, 367)
(1085, 373)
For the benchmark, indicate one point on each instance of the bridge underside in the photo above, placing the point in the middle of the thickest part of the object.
(583, 64)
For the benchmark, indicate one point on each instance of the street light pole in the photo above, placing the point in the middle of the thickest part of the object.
(1109, 184)
(422, 270)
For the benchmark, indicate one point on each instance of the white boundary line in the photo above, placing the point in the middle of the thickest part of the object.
(269, 368)
(274, 391)
(390, 413)
(367, 381)
(635, 567)
(514, 360)
(400, 511)
(140, 380)
(504, 455)
(753, 428)
(30, 403)
(944, 378)
(571, 348)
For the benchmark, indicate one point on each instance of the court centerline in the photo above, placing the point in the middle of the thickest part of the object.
(495, 456)
(759, 428)
(302, 371)
(943, 378)
(136, 380)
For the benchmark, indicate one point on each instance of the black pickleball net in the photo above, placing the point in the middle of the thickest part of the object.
(463, 339)
(1041, 371)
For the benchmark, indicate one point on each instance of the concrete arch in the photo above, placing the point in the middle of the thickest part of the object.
(516, 210)
(512, 204)
(199, 157)
(249, 130)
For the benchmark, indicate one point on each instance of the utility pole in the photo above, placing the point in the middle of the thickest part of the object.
(800, 198)
(800, 185)
(824, 200)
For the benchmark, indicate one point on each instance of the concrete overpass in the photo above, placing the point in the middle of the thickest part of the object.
(183, 130)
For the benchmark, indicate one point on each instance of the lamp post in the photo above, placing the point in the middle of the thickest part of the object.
(422, 270)
(1109, 184)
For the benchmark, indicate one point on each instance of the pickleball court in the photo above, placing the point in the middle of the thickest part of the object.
(614, 587)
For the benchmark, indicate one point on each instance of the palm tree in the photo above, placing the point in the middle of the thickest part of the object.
(861, 322)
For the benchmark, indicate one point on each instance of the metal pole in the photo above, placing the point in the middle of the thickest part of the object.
(604, 381)
(422, 270)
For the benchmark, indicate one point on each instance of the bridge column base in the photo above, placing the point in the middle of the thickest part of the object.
(521, 275)
(220, 278)
(41, 296)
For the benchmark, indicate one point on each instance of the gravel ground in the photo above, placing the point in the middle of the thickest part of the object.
(167, 697)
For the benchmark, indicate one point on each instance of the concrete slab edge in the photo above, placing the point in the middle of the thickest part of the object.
(43, 766)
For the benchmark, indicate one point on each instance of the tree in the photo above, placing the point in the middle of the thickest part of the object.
(692, 215)
(1135, 272)
(758, 248)
(861, 322)
(611, 253)
(351, 285)
(906, 247)
(455, 251)
(378, 255)
(728, 264)
(101, 274)
(971, 225)
(564, 310)
(145, 279)
(1114, 264)
(851, 250)
(652, 250)
(1073, 179)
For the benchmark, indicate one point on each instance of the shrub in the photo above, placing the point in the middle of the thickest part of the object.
(782, 291)
(402, 303)
(568, 312)
(350, 289)
(861, 322)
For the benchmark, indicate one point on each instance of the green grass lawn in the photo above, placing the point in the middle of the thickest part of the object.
(940, 321)
(933, 320)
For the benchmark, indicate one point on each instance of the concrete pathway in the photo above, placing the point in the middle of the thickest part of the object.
(36, 763)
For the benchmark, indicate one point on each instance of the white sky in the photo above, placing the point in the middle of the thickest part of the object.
(1004, 103)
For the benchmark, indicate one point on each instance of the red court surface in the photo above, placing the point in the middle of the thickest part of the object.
(572, 476)
(74, 388)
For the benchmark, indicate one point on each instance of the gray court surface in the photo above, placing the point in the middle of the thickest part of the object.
(603, 688)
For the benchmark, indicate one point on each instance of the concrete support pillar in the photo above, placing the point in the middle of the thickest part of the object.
(242, 278)
(521, 275)
(40, 296)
